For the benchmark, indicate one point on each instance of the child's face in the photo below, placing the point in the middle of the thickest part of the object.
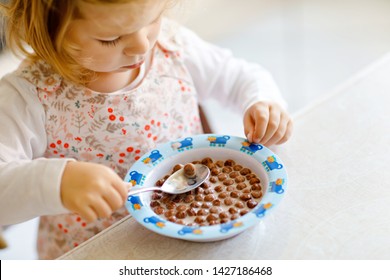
(115, 37)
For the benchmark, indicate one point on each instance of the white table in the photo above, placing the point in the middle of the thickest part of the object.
(337, 205)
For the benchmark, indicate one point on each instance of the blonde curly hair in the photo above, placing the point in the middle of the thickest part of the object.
(42, 25)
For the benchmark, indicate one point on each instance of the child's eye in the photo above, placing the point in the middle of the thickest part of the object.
(111, 43)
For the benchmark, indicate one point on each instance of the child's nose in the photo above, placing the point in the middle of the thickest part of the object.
(137, 45)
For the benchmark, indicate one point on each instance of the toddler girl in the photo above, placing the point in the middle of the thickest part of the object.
(103, 81)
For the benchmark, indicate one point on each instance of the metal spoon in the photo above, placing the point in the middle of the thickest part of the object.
(178, 182)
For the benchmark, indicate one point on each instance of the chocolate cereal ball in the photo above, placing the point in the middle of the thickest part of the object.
(189, 170)
(177, 167)
(231, 191)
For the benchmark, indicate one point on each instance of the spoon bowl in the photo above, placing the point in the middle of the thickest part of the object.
(178, 182)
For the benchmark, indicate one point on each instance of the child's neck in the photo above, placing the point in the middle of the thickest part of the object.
(111, 82)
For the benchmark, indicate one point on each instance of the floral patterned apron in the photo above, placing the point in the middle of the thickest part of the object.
(111, 129)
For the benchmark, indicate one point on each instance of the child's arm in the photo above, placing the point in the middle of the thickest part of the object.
(31, 185)
(243, 86)
(27, 188)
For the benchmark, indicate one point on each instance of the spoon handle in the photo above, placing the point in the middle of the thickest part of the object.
(136, 191)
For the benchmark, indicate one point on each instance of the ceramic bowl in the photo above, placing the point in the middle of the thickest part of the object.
(158, 162)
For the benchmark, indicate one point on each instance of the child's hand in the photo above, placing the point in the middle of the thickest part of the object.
(92, 190)
(267, 123)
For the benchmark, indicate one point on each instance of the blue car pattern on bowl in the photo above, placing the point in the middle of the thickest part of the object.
(182, 145)
(228, 226)
(218, 141)
(188, 229)
(250, 148)
(277, 186)
(154, 158)
(135, 201)
(271, 164)
(140, 172)
(136, 178)
(156, 221)
(260, 212)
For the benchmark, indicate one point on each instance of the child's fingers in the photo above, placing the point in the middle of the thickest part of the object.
(267, 123)
(102, 208)
(117, 184)
(114, 200)
(287, 133)
(273, 125)
(122, 188)
(248, 126)
(281, 132)
(260, 120)
(88, 214)
(249, 136)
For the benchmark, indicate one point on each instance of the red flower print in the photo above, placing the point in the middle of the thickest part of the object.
(149, 129)
(58, 147)
(130, 152)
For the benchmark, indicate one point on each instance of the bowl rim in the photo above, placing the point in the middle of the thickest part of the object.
(139, 208)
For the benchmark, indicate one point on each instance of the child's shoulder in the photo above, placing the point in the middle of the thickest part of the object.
(40, 74)
(175, 36)
(18, 88)
(171, 37)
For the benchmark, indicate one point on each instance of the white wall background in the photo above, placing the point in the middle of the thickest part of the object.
(310, 46)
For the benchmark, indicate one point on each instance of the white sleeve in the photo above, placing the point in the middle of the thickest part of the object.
(29, 184)
(234, 82)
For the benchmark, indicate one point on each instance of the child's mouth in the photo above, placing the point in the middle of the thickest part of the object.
(134, 66)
